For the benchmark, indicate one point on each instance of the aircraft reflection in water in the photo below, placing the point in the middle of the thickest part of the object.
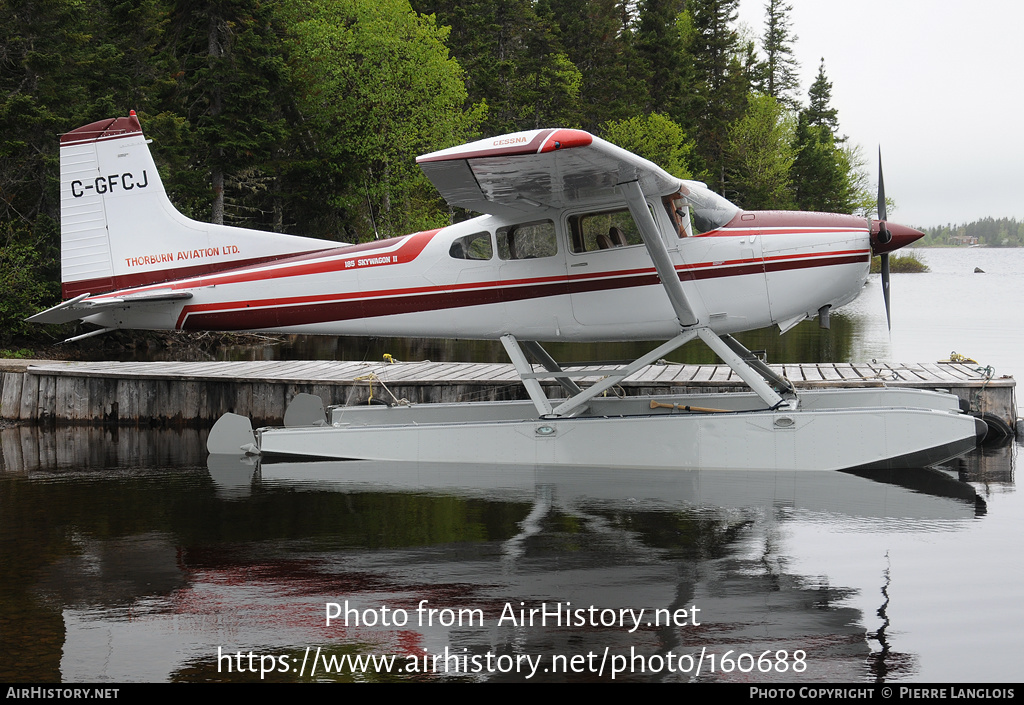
(580, 241)
(156, 545)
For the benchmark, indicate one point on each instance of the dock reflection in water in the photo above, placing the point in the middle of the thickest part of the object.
(126, 558)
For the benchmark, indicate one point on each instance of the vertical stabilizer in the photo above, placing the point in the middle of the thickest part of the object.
(119, 229)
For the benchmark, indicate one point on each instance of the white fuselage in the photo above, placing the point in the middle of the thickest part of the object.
(567, 252)
(754, 272)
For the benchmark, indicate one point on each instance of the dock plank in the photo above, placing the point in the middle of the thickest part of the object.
(676, 374)
(704, 373)
(116, 391)
(721, 373)
(961, 371)
(846, 371)
(829, 372)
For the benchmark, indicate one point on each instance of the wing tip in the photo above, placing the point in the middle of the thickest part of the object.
(566, 139)
(512, 145)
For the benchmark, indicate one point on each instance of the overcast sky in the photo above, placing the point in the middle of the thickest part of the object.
(936, 83)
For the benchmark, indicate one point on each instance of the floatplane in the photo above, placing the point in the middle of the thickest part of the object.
(579, 240)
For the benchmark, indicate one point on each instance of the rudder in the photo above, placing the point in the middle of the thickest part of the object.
(119, 229)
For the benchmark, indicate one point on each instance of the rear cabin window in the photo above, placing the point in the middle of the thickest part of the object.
(527, 240)
(605, 230)
(476, 246)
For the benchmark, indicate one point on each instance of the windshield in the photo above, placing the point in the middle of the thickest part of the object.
(707, 208)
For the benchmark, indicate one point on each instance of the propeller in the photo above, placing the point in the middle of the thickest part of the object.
(886, 237)
(883, 237)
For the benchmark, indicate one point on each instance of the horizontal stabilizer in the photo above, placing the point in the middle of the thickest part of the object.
(80, 306)
(147, 298)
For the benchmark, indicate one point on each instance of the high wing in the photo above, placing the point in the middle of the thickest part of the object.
(518, 173)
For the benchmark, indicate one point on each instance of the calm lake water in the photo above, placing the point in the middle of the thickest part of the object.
(125, 556)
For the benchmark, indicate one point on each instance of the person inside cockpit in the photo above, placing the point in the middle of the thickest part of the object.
(695, 209)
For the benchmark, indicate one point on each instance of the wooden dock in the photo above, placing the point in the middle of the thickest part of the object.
(197, 393)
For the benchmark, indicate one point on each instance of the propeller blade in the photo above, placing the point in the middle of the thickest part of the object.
(885, 287)
(882, 215)
(884, 236)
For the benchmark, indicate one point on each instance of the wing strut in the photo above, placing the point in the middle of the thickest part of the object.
(659, 253)
(549, 364)
(732, 353)
(579, 400)
(780, 383)
(754, 379)
(525, 370)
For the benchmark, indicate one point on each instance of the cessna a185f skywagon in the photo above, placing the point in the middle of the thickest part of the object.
(580, 241)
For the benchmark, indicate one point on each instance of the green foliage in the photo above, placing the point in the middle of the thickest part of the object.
(26, 289)
(900, 263)
(826, 175)
(723, 70)
(379, 88)
(663, 63)
(779, 72)
(864, 193)
(820, 171)
(760, 155)
(550, 90)
(989, 232)
(232, 92)
(598, 40)
(654, 137)
(514, 61)
(819, 112)
(307, 116)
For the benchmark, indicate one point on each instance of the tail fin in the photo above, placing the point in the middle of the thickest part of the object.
(119, 229)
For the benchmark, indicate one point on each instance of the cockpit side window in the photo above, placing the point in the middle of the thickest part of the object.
(678, 213)
(527, 240)
(603, 230)
(476, 246)
(708, 211)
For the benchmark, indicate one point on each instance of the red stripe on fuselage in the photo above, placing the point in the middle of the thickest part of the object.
(144, 281)
(299, 265)
(305, 310)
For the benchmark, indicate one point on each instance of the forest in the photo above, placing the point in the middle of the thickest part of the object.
(305, 116)
(988, 232)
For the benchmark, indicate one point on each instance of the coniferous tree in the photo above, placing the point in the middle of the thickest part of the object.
(233, 81)
(513, 61)
(659, 46)
(598, 42)
(820, 172)
(721, 83)
(551, 81)
(819, 111)
(779, 71)
(823, 177)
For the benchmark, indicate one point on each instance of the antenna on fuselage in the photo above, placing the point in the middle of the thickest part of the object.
(369, 206)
